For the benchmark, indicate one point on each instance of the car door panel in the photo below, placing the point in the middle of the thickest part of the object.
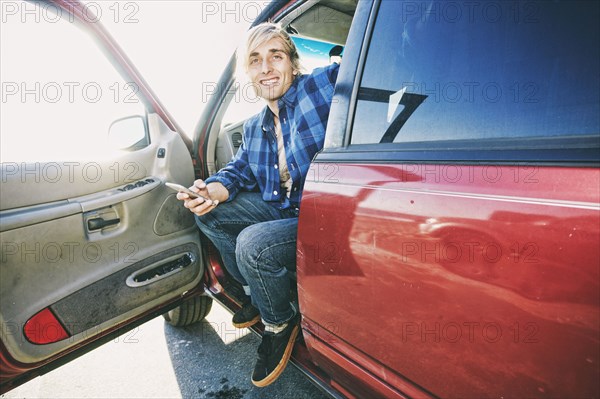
(463, 264)
(502, 273)
(88, 251)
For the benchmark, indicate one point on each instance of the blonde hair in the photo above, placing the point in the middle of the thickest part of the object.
(263, 33)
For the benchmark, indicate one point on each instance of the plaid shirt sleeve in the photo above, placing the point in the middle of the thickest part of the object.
(236, 175)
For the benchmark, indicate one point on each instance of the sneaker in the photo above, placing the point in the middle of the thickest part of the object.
(274, 352)
(247, 316)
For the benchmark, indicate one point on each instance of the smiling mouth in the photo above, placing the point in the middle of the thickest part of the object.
(269, 82)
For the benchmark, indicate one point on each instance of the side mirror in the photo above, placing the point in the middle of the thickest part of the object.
(129, 133)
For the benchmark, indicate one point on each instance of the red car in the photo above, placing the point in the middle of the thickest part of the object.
(449, 231)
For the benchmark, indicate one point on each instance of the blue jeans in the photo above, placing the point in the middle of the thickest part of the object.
(258, 245)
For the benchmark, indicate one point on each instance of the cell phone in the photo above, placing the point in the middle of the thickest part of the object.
(180, 188)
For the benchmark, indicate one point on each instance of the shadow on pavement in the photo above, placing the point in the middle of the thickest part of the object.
(212, 359)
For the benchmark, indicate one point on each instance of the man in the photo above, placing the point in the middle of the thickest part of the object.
(252, 207)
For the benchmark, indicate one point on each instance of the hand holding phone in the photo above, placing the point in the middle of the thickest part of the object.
(182, 189)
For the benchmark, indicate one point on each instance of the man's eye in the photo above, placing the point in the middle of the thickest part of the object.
(253, 61)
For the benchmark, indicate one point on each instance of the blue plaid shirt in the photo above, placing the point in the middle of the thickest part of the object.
(303, 113)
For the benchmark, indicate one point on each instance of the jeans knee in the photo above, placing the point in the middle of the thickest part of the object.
(255, 252)
(246, 249)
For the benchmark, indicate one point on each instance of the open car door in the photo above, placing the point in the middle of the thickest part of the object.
(92, 241)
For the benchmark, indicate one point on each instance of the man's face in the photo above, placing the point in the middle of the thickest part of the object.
(270, 70)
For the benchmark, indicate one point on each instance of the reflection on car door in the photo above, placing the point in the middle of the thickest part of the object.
(453, 250)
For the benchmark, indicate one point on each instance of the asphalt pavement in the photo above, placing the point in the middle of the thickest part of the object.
(211, 359)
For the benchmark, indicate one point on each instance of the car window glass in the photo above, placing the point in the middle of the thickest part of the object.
(477, 70)
(59, 92)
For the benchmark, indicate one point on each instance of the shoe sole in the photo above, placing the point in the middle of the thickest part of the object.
(248, 323)
(284, 360)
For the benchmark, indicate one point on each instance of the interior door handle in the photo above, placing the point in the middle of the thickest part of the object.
(100, 223)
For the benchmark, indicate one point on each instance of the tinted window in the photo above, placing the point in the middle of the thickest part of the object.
(450, 70)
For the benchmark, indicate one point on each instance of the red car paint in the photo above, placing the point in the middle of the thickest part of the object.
(468, 281)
